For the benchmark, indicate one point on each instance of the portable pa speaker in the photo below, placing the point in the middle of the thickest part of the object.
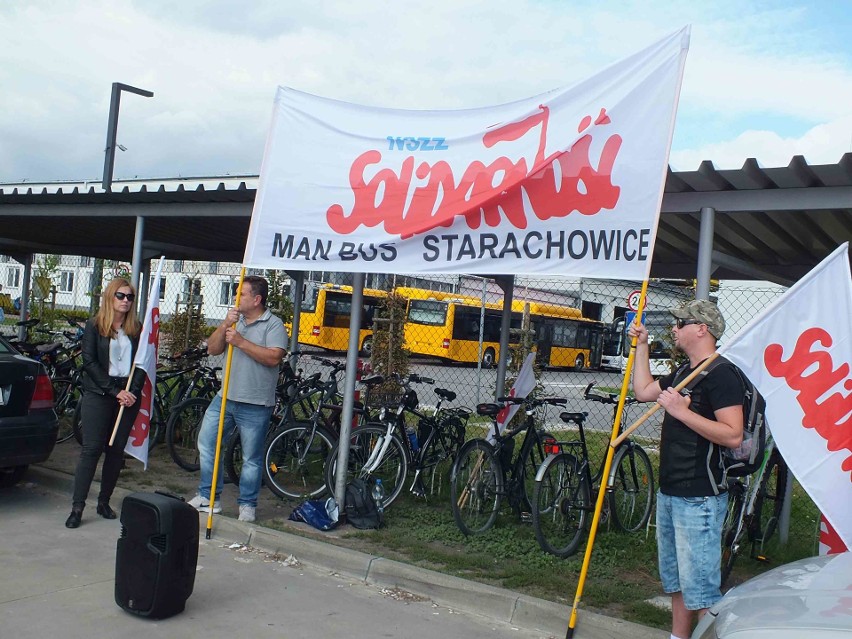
(156, 554)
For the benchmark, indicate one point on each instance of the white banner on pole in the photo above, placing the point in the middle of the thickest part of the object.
(567, 182)
(798, 353)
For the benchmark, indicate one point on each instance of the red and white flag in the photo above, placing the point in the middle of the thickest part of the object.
(523, 386)
(146, 359)
(798, 354)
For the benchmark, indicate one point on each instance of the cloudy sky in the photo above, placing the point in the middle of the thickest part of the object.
(764, 79)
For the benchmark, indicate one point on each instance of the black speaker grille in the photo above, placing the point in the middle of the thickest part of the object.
(159, 542)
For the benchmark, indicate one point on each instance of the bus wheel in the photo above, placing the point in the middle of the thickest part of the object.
(580, 362)
(367, 346)
(488, 358)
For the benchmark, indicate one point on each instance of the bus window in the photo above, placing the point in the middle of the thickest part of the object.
(427, 312)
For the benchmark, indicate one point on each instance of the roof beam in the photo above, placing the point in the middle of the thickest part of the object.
(760, 200)
(116, 209)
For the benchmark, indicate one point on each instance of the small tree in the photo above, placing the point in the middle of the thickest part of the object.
(520, 346)
(185, 329)
(278, 301)
(388, 354)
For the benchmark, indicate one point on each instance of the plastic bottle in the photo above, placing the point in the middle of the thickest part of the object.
(412, 437)
(378, 495)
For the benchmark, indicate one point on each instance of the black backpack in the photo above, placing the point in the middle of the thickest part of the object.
(747, 457)
(360, 508)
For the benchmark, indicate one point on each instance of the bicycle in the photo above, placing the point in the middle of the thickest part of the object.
(296, 454)
(384, 450)
(754, 509)
(295, 398)
(564, 485)
(484, 473)
(184, 420)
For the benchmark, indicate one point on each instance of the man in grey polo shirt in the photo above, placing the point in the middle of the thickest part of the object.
(259, 342)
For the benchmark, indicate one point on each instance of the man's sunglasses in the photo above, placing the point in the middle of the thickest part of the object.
(122, 296)
(686, 322)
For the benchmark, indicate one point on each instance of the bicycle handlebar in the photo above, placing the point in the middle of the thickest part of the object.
(609, 398)
(534, 401)
(327, 362)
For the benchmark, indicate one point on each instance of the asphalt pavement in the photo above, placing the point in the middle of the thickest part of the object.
(250, 581)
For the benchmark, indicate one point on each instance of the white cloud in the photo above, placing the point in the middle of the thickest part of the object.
(214, 66)
(823, 144)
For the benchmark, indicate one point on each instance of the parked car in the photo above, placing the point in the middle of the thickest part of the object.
(806, 599)
(28, 423)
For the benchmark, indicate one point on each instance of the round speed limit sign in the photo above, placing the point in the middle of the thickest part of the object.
(633, 300)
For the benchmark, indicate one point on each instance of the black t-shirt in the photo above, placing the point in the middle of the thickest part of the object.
(688, 460)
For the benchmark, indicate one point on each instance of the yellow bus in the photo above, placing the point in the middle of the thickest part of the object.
(325, 314)
(564, 338)
(447, 326)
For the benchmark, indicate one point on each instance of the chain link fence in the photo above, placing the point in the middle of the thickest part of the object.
(445, 327)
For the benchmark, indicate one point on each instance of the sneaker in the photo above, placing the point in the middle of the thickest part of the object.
(203, 504)
(247, 513)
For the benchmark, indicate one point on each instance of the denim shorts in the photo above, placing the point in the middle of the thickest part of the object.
(689, 542)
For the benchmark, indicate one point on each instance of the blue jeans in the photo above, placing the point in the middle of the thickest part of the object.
(689, 547)
(252, 421)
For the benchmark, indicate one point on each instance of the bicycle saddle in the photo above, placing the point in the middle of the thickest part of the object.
(372, 380)
(577, 418)
(445, 394)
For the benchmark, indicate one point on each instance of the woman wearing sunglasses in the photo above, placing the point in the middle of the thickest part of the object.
(110, 340)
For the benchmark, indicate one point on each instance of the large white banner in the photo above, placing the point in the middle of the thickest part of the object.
(798, 354)
(568, 182)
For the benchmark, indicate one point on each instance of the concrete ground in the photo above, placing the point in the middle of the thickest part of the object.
(250, 581)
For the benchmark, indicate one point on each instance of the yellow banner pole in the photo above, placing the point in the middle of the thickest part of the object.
(572, 623)
(225, 380)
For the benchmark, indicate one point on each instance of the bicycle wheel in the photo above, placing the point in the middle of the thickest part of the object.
(157, 434)
(768, 503)
(182, 430)
(365, 446)
(732, 529)
(234, 458)
(632, 496)
(77, 422)
(66, 394)
(476, 487)
(561, 504)
(535, 458)
(294, 461)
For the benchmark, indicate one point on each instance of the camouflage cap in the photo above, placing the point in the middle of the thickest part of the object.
(705, 312)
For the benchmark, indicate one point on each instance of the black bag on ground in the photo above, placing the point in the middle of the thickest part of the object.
(361, 510)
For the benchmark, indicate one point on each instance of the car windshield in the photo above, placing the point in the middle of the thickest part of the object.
(4, 347)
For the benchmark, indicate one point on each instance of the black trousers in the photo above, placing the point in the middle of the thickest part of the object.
(98, 418)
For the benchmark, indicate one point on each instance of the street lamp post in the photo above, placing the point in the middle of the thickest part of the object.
(109, 163)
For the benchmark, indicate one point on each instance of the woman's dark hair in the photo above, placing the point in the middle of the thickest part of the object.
(259, 286)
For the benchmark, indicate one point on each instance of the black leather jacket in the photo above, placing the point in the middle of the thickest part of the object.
(96, 377)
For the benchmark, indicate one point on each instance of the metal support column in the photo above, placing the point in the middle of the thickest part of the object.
(27, 261)
(705, 253)
(136, 263)
(298, 280)
(349, 389)
(507, 283)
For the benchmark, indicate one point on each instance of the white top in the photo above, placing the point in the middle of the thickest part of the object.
(120, 351)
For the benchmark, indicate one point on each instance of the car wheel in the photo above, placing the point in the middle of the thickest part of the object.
(580, 362)
(11, 476)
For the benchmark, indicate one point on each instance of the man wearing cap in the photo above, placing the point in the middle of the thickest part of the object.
(690, 507)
